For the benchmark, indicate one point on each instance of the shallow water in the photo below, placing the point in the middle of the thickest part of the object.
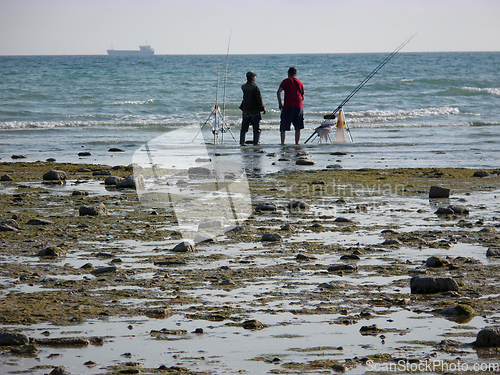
(225, 349)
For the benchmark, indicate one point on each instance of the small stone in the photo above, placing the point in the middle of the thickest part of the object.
(116, 149)
(18, 157)
(96, 209)
(6, 178)
(435, 262)
(271, 237)
(112, 180)
(252, 324)
(83, 170)
(103, 270)
(131, 182)
(51, 251)
(79, 192)
(85, 153)
(101, 173)
(183, 247)
(294, 204)
(305, 162)
(267, 206)
(342, 267)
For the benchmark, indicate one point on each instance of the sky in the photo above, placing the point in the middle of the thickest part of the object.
(90, 27)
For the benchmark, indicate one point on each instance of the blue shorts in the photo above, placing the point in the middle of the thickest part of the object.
(292, 115)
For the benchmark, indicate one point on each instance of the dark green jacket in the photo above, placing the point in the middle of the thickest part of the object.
(252, 98)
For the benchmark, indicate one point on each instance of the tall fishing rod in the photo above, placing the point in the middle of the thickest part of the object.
(375, 71)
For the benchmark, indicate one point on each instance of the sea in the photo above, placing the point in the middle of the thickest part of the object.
(419, 110)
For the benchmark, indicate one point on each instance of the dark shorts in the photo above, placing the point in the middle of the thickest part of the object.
(292, 115)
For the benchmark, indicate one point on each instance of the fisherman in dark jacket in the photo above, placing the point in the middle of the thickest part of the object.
(251, 106)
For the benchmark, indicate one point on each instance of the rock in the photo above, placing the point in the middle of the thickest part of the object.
(293, 204)
(51, 251)
(488, 337)
(493, 251)
(59, 371)
(18, 157)
(370, 330)
(116, 149)
(9, 225)
(342, 220)
(101, 173)
(305, 162)
(85, 153)
(183, 247)
(271, 237)
(288, 227)
(267, 206)
(253, 324)
(480, 174)
(54, 175)
(459, 310)
(158, 313)
(342, 267)
(452, 210)
(131, 182)
(39, 222)
(83, 170)
(350, 257)
(435, 262)
(334, 166)
(79, 192)
(112, 180)
(439, 192)
(6, 178)
(302, 257)
(96, 209)
(103, 270)
(9, 339)
(459, 210)
(284, 159)
(430, 285)
(199, 172)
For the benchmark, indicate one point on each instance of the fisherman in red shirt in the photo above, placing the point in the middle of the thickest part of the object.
(292, 112)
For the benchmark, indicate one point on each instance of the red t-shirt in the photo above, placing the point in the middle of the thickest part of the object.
(294, 92)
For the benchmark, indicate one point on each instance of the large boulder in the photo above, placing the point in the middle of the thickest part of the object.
(54, 175)
(439, 192)
(430, 285)
(488, 337)
(9, 338)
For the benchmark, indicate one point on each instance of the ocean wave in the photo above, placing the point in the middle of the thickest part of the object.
(134, 102)
(469, 91)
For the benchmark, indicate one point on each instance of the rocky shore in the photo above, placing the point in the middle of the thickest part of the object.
(346, 246)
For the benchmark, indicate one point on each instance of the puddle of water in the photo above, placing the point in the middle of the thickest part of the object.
(228, 349)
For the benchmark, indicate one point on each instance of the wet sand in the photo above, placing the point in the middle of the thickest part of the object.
(241, 304)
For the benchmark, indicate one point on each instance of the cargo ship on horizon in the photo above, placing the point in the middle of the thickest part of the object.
(143, 51)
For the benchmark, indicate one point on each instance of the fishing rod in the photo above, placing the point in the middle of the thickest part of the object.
(375, 71)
